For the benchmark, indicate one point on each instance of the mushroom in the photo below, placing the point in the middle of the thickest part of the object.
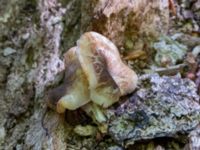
(95, 76)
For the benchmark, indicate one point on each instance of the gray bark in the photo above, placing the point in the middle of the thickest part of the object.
(33, 37)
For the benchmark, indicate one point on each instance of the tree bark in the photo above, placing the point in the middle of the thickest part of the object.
(34, 35)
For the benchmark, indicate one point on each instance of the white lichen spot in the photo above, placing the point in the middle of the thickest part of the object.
(2, 133)
(8, 51)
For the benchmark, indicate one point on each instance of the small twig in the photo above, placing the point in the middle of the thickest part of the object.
(171, 70)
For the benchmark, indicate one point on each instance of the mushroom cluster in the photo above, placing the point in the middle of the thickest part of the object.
(95, 77)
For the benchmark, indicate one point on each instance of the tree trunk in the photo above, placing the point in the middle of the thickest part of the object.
(33, 37)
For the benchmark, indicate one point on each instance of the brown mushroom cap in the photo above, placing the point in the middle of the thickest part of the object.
(103, 89)
(109, 78)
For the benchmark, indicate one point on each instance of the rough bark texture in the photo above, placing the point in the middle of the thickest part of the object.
(156, 112)
(33, 37)
(131, 25)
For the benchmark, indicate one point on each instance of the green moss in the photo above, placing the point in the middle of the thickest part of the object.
(129, 44)
(30, 57)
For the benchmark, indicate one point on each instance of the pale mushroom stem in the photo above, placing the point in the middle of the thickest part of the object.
(95, 111)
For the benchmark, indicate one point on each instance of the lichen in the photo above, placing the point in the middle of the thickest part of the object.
(168, 51)
(168, 106)
(87, 130)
